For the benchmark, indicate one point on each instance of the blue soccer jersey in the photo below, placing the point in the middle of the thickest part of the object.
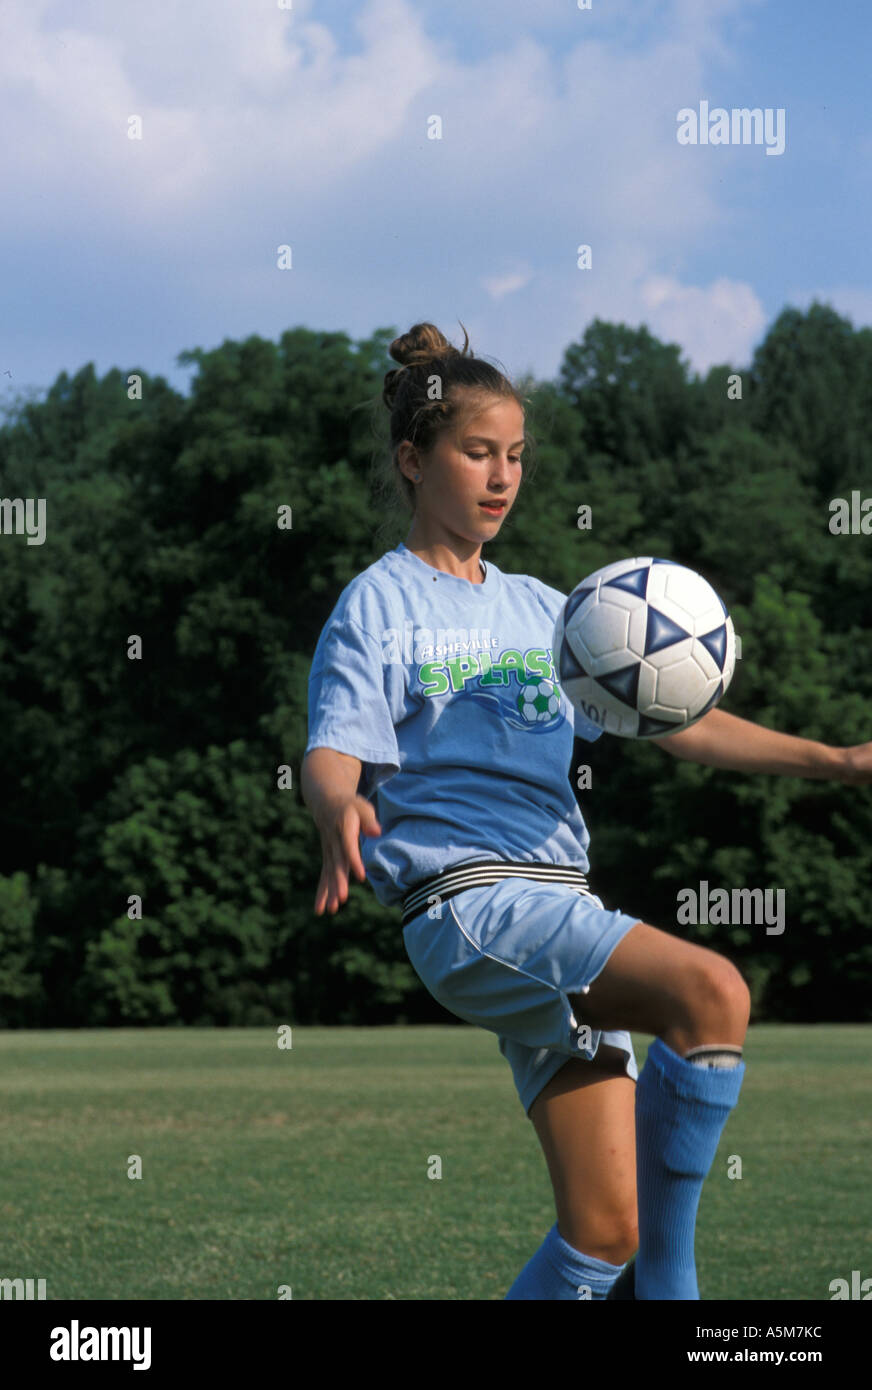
(446, 692)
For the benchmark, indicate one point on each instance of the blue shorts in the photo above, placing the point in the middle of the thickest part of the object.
(507, 956)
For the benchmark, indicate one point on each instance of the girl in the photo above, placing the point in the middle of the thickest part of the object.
(417, 743)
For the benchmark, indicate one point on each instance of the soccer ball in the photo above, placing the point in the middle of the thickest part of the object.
(644, 647)
(538, 700)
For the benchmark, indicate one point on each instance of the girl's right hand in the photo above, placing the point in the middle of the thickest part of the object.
(340, 827)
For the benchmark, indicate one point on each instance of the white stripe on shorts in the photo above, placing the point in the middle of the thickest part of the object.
(480, 873)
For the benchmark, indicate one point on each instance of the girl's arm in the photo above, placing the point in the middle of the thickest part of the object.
(328, 778)
(329, 782)
(723, 740)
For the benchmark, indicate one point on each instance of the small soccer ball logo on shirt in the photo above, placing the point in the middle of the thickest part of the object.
(538, 700)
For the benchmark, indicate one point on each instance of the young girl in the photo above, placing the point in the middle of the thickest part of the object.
(417, 743)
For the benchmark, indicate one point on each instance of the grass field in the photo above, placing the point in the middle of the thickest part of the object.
(308, 1167)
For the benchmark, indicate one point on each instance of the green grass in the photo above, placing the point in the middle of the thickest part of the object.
(308, 1167)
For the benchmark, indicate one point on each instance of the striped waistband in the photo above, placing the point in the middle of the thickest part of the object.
(479, 874)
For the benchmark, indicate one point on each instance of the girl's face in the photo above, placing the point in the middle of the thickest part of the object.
(461, 472)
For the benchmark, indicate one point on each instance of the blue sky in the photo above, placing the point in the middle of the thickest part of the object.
(264, 126)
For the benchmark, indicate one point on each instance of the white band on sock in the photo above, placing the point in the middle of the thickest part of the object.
(715, 1055)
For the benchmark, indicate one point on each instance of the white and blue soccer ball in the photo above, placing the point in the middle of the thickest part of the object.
(644, 647)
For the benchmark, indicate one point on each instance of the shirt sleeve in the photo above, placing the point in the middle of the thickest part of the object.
(348, 706)
(585, 728)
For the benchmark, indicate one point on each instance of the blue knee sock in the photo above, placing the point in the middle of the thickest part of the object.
(559, 1271)
(681, 1110)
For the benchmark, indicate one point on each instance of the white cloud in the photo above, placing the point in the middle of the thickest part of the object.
(498, 286)
(261, 127)
(228, 96)
(719, 323)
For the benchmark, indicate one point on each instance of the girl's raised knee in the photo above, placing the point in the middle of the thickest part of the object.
(717, 995)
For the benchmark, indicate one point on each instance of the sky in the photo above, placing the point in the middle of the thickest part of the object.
(308, 124)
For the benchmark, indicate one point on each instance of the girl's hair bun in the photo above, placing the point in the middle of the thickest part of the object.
(420, 347)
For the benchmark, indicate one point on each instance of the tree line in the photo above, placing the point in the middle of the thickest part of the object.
(172, 779)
